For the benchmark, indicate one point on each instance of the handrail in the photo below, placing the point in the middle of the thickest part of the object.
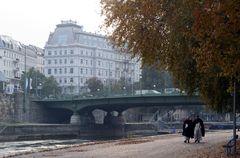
(100, 97)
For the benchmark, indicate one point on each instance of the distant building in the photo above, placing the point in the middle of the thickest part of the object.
(73, 56)
(12, 61)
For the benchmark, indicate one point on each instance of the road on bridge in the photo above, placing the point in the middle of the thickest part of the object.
(164, 146)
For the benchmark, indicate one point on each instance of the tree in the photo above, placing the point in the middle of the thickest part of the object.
(95, 85)
(117, 87)
(50, 87)
(122, 86)
(34, 77)
(197, 41)
(153, 78)
(217, 31)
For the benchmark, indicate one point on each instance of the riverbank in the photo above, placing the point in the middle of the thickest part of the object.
(163, 146)
(22, 132)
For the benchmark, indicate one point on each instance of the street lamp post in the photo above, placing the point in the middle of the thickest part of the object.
(98, 90)
(234, 116)
(25, 79)
(132, 80)
(104, 88)
(140, 80)
(39, 88)
(124, 90)
(36, 83)
(71, 89)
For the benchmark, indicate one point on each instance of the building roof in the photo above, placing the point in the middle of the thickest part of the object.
(64, 33)
(7, 41)
(67, 33)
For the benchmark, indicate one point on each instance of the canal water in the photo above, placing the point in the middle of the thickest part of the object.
(11, 148)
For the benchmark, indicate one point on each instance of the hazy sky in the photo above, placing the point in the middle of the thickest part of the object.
(31, 21)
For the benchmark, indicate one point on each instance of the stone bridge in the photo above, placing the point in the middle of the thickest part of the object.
(81, 109)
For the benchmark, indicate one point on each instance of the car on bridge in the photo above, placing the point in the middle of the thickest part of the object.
(147, 92)
(170, 91)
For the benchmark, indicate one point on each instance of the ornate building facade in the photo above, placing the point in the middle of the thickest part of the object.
(13, 57)
(73, 56)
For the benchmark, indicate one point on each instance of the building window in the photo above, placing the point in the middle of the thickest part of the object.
(55, 52)
(71, 70)
(99, 74)
(71, 61)
(71, 51)
(60, 61)
(49, 53)
(60, 80)
(49, 71)
(65, 70)
(65, 52)
(55, 71)
(71, 80)
(65, 61)
(60, 52)
(60, 71)
(81, 71)
(55, 61)
(81, 61)
(65, 80)
(49, 62)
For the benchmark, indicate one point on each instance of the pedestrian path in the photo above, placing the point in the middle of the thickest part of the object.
(164, 146)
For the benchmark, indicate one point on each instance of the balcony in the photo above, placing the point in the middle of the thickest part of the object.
(16, 60)
(16, 69)
(16, 77)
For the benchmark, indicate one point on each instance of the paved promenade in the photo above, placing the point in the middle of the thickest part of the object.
(165, 146)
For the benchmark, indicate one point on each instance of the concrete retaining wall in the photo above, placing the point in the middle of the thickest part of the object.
(64, 131)
(12, 110)
(7, 108)
(41, 131)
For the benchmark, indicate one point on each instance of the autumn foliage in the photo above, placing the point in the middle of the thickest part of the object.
(198, 41)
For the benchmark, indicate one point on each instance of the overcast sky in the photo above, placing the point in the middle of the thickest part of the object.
(31, 21)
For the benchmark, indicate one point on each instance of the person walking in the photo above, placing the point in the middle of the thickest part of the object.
(199, 130)
(188, 128)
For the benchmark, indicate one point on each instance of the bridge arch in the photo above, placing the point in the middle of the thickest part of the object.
(84, 107)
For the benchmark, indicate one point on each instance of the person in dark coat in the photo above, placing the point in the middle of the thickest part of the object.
(188, 129)
(199, 130)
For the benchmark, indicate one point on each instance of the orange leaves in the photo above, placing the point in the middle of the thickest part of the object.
(216, 28)
(137, 23)
(198, 41)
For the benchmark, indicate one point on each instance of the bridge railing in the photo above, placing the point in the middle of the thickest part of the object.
(77, 97)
